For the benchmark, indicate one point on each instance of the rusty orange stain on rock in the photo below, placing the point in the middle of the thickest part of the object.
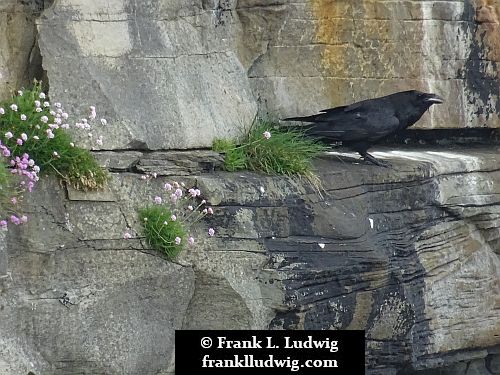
(488, 16)
(330, 28)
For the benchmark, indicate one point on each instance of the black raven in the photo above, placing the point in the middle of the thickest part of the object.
(362, 124)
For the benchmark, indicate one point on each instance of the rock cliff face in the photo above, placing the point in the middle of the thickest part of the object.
(176, 74)
(411, 255)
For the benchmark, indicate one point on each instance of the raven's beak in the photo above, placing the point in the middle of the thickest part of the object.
(434, 99)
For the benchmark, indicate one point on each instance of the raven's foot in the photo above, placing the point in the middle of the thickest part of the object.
(381, 163)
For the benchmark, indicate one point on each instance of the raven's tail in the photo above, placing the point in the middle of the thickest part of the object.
(303, 119)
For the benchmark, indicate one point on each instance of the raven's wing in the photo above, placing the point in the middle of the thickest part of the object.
(358, 123)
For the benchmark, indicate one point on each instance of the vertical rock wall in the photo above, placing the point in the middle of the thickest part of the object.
(309, 55)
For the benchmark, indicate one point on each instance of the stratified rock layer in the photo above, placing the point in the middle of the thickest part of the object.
(409, 254)
(176, 75)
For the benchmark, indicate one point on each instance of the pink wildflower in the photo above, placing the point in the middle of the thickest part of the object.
(8, 135)
(127, 235)
(266, 134)
(191, 241)
(177, 240)
(158, 200)
(211, 232)
(173, 218)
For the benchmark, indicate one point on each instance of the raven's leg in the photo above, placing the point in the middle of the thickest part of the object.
(372, 159)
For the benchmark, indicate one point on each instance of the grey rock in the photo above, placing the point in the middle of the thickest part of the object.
(164, 75)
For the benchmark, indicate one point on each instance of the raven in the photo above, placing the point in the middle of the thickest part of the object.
(362, 124)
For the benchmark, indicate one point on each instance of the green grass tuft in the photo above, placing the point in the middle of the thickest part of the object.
(6, 186)
(161, 236)
(287, 152)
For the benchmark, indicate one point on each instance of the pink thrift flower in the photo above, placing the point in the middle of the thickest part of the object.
(23, 117)
(37, 103)
(167, 186)
(211, 232)
(191, 241)
(203, 201)
(144, 177)
(46, 104)
(44, 119)
(192, 192)
(24, 136)
(15, 220)
(52, 113)
(210, 211)
(13, 200)
(24, 219)
(127, 235)
(173, 218)
(99, 141)
(42, 95)
(266, 134)
(6, 152)
(19, 141)
(173, 198)
(190, 208)
(178, 193)
(204, 211)
(50, 135)
(64, 115)
(36, 169)
(8, 135)
(103, 121)
(2, 112)
(58, 105)
(38, 109)
(3, 224)
(158, 200)
(177, 240)
(13, 107)
(20, 93)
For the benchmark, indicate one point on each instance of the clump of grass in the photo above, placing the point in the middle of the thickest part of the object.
(235, 158)
(272, 150)
(161, 232)
(167, 224)
(6, 187)
(30, 124)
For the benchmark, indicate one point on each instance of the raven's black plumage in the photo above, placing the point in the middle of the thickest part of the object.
(362, 124)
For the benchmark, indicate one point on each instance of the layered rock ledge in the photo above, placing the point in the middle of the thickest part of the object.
(409, 254)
